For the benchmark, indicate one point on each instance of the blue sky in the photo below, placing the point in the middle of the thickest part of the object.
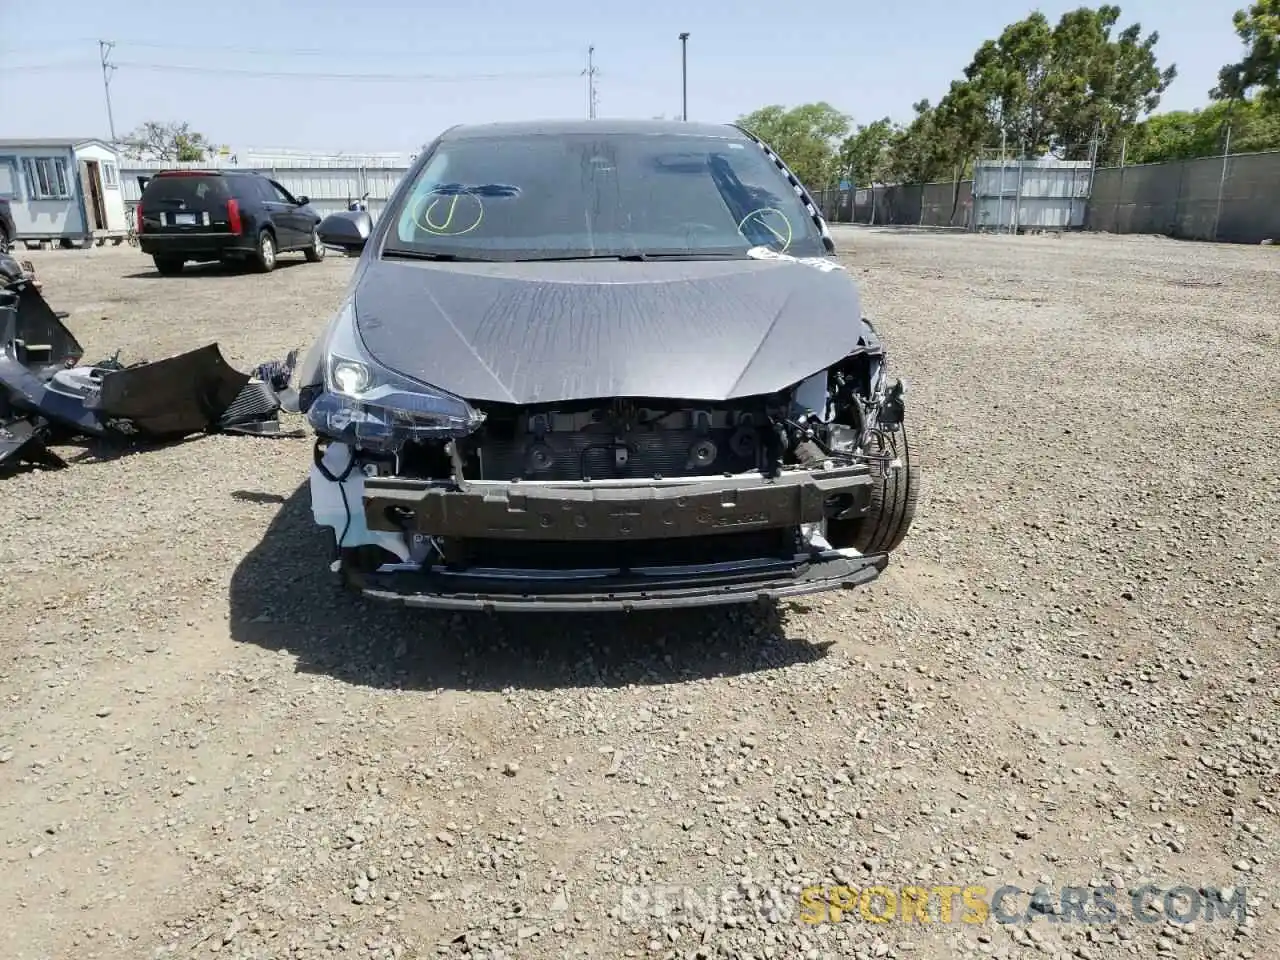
(508, 59)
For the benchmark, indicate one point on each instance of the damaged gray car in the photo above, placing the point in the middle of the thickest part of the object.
(602, 365)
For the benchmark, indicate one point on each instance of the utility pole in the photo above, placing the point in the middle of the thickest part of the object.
(108, 68)
(590, 74)
(684, 76)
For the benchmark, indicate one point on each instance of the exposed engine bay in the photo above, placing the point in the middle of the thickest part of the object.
(838, 416)
(451, 505)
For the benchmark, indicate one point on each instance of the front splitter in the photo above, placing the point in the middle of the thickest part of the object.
(671, 590)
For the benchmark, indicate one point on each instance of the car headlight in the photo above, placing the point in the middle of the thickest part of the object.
(365, 405)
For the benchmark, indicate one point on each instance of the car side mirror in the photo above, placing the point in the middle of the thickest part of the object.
(347, 230)
(302, 201)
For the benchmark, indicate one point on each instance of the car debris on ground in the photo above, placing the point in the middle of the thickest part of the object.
(49, 396)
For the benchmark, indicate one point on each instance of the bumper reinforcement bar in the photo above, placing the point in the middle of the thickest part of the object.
(633, 511)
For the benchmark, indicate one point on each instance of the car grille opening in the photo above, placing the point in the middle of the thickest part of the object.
(618, 440)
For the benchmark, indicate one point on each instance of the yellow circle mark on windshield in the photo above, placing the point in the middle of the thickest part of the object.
(449, 215)
(762, 216)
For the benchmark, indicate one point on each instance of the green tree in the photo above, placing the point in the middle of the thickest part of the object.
(1259, 29)
(941, 141)
(1041, 89)
(1102, 85)
(1009, 83)
(1182, 134)
(807, 138)
(1054, 89)
(156, 140)
(914, 151)
(1177, 135)
(865, 155)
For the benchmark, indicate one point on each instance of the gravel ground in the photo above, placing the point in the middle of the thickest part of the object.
(1068, 678)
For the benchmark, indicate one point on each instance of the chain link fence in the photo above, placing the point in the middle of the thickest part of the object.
(1235, 199)
(945, 204)
(1230, 198)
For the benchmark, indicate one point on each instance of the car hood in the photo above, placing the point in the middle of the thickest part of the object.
(528, 333)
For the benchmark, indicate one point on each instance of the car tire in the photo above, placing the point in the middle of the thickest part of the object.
(168, 266)
(264, 252)
(315, 253)
(893, 506)
(5, 243)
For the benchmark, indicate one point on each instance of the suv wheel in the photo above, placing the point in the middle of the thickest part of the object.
(264, 257)
(315, 252)
(168, 266)
(4, 242)
(893, 506)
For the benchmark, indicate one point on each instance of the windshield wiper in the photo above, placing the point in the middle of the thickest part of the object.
(431, 255)
(698, 255)
(640, 257)
(581, 256)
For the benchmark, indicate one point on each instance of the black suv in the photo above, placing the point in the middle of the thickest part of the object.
(227, 215)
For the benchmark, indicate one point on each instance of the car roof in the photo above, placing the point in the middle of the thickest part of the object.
(208, 173)
(606, 128)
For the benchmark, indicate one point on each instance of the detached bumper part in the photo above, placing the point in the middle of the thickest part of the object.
(22, 441)
(614, 546)
(47, 396)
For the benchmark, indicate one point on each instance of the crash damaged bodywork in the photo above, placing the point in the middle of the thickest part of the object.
(47, 395)
(589, 502)
(609, 430)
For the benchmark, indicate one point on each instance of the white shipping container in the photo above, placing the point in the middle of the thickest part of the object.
(1046, 194)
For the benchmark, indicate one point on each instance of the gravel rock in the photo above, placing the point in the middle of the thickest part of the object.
(1066, 678)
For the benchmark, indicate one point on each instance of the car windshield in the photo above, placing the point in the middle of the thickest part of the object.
(563, 196)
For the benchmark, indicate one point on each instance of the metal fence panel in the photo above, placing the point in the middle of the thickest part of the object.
(1234, 199)
(1046, 194)
(1197, 203)
(1140, 199)
(943, 204)
(946, 204)
(900, 203)
(1250, 209)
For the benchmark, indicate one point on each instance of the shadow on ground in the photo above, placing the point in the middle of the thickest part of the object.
(215, 268)
(284, 598)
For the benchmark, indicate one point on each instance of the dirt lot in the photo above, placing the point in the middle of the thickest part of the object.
(1069, 678)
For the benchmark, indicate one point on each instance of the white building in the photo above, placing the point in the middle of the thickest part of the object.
(330, 180)
(63, 189)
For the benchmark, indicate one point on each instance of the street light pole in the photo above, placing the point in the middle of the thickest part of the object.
(684, 75)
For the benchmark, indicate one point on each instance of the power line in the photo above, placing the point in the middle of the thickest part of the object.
(360, 77)
(344, 50)
(453, 50)
(78, 64)
(24, 48)
(95, 64)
